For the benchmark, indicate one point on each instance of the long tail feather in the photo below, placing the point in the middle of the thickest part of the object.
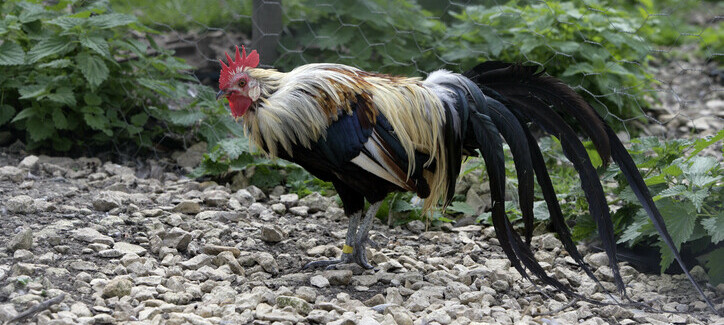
(486, 136)
(531, 93)
(574, 150)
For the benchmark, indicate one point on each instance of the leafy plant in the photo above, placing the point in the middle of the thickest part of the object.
(689, 192)
(591, 46)
(397, 37)
(74, 79)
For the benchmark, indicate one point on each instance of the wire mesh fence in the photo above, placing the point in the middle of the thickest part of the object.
(652, 68)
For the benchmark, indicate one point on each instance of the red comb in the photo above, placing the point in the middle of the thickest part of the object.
(240, 62)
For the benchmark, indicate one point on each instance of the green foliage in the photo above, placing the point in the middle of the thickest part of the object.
(688, 191)
(400, 41)
(187, 14)
(73, 79)
(588, 44)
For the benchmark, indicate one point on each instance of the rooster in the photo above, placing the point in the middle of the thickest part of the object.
(370, 134)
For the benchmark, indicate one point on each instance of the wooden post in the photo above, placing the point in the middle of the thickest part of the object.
(266, 21)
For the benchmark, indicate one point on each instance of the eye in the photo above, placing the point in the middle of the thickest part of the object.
(242, 83)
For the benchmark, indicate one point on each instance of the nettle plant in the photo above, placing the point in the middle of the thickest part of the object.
(81, 76)
(688, 189)
(600, 51)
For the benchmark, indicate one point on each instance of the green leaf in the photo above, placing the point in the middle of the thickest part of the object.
(680, 219)
(97, 44)
(31, 12)
(715, 227)
(56, 64)
(702, 144)
(540, 210)
(185, 117)
(25, 113)
(697, 197)
(97, 122)
(63, 95)
(6, 113)
(93, 68)
(92, 99)
(161, 87)
(139, 119)
(38, 129)
(56, 45)
(672, 191)
(234, 147)
(11, 54)
(716, 266)
(61, 123)
(66, 22)
(111, 20)
(461, 207)
(32, 91)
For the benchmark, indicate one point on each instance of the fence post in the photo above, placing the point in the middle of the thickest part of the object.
(266, 21)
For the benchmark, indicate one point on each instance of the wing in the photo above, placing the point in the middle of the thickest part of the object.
(360, 142)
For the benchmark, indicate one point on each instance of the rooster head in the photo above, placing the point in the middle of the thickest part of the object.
(236, 85)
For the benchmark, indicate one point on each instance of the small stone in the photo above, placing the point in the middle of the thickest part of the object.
(300, 306)
(125, 248)
(319, 281)
(256, 192)
(500, 285)
(12, 173)
(400, 315)
(80, 310)
(108, 200)
(377, 299)
(227, 258)
(267, 262)
(244, 197)
(29, 163)
(216, 198)
(597, 259)
(91, 235)
(187, 207)
(23, 240)
(7, 312)
(306, 293)
(315, 202)
(217, 249)
(301, 211)
(176, 238)
(279, 208)
(197, 262)
(338, 277)
(255, 209)
(272, 234)
(20, 204)
(289, 200)
(118, 287)
(83, 266)
(23, 255)
(550, 242)
(415, 226)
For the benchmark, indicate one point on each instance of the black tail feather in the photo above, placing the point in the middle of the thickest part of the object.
(574, 150)
(528, 94)
(485, 134)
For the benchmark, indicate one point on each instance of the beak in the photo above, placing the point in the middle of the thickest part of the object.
(220, 94)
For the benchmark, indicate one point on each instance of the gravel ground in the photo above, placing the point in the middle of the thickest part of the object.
(169, 250)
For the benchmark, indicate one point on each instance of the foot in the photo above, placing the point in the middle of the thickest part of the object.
(359, 255)
(329, 264)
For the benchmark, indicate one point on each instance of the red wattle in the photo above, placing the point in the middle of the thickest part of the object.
(239, 105)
